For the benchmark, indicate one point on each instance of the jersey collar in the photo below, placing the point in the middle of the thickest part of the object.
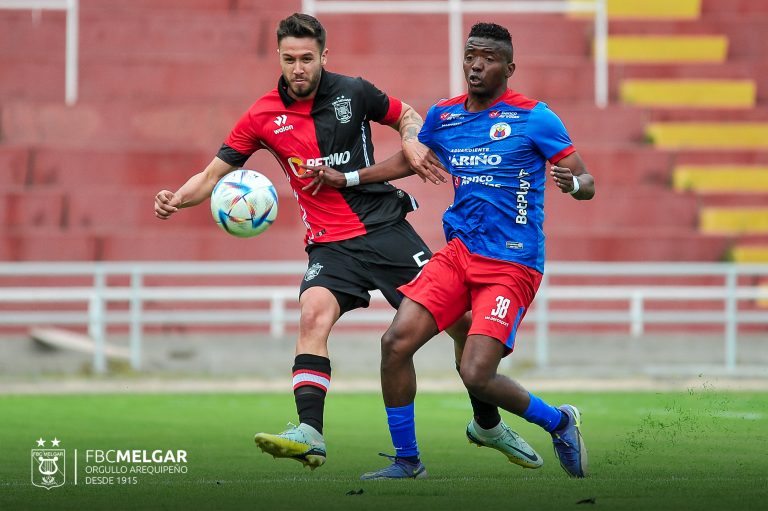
(322, 89)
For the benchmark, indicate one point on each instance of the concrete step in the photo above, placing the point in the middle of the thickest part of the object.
(699, 93)
(734, 220)
(734, 7)
(634, 245)
(653, 9)
(750, 253)
(14, 165)
(740, 179)
(738, 30)
(734, 135)
(640, 49)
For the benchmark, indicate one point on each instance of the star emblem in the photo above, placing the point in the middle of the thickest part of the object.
(55, 442)
(41, 442)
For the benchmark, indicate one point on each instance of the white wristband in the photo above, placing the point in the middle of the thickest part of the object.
(353, 178)
(575, 186)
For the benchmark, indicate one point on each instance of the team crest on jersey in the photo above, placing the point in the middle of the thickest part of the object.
(500, 130)
(343, 108)
(313, 271)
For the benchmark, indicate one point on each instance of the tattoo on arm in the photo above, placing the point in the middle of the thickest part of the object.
(410, 126)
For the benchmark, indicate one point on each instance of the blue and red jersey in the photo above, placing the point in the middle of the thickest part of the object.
(497, 158)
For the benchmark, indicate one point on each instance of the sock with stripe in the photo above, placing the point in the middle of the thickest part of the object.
(311, 379)
(545, 415)
(402, 429)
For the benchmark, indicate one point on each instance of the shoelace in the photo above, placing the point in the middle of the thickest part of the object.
(291, 426)
(399, 461)
(570, 454)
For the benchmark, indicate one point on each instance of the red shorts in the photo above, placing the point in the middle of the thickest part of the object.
(497, 292)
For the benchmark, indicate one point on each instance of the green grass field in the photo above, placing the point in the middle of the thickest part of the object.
(700, 449)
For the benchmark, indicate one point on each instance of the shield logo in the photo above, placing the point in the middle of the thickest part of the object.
(48, 468)
(313, 271)
(500, 131)
(343, 109)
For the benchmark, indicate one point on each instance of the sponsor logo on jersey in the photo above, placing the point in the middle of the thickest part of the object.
(293, 163)
(483, 180)
(473, 160)
(498, 114)
(447, 116)
(522, 198)
(500, 130)
(331, 160)
(343, 108)
(280, 121)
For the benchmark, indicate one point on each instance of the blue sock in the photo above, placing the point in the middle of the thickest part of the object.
(546, 416)
(402, 428)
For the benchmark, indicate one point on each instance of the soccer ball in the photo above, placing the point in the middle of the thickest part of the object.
(244, 203)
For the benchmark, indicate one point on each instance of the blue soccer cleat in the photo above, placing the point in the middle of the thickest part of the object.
(399, 469)
(569, 446)
(509, 443)
(302, 443)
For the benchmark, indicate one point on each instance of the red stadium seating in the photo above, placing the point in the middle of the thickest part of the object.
(162, 82)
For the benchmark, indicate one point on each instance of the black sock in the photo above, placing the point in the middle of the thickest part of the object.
(311, 379)
(563, 421)
(486, 415)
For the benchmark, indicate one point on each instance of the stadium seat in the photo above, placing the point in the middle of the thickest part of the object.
(721, 178)
(152, 110)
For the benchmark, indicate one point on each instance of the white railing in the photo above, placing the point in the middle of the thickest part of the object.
(72, 37)
(455, 10)
(139, 298)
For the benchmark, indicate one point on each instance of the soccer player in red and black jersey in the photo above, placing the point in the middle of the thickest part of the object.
(357, 237)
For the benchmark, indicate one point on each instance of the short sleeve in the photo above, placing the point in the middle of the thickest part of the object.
(243, 140)
(548, 134)
(380, 107)
(426, 135)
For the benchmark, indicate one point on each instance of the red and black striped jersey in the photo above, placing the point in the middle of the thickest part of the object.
(332, 129)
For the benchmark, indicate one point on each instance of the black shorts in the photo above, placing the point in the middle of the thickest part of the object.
(383, 259)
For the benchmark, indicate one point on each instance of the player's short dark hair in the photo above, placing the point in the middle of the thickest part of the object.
(301, 25)
(494, 32)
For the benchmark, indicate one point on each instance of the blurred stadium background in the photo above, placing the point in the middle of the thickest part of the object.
(664, 273)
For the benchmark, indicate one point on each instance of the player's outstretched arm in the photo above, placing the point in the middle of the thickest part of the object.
(392, 168)
(193, 192)
(422, 161)
(571, 176)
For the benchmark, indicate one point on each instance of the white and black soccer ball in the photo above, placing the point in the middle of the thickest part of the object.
(244, 203)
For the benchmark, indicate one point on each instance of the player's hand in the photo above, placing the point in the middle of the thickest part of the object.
(323, 175)
(166, 204)
(563, 178)
(423, 161)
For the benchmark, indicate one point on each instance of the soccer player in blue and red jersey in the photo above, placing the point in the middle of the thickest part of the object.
(357, 238)
(495, 143)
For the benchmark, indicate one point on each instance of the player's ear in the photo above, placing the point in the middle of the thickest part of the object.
(510, 69)
(324, 57)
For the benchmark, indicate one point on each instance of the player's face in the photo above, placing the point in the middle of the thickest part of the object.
(302, 62)
(486, 67)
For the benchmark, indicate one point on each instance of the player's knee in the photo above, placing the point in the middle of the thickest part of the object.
(315, 318)
(474, 379)
(394, 347)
